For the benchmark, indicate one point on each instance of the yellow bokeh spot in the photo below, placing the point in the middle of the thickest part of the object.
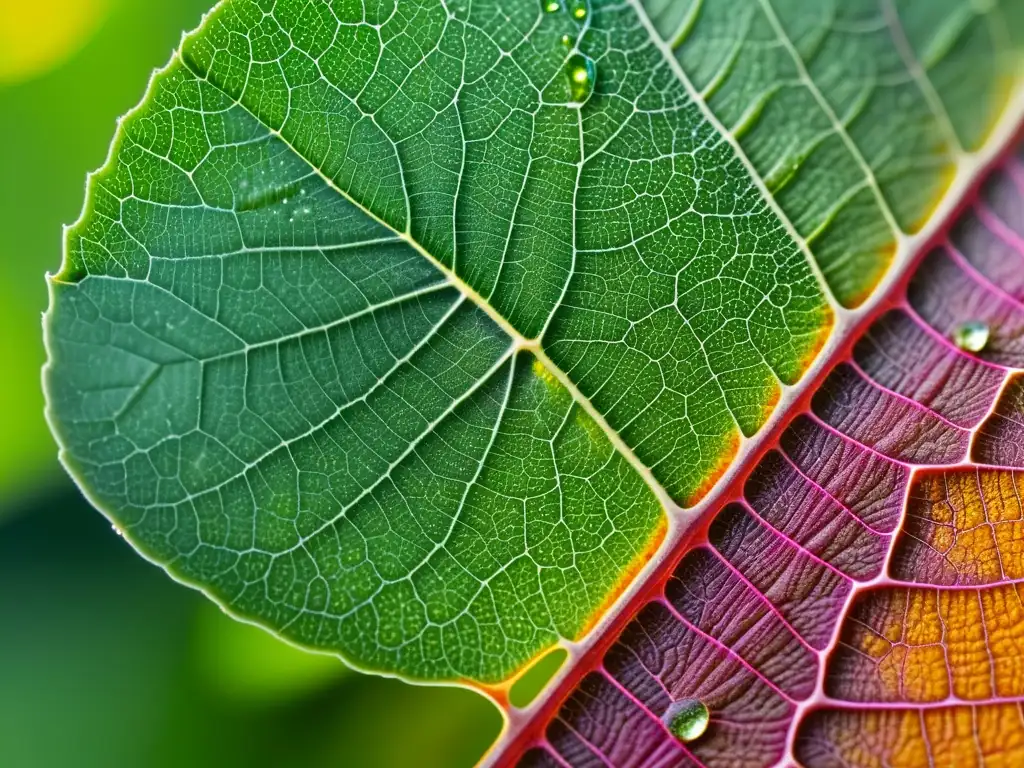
(39, 35)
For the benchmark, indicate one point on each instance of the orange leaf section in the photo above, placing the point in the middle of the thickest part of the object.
(963, 527)
(932, 645)
(950, 737)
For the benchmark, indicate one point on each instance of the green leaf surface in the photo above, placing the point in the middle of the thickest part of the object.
(399, 327)
(855, 114)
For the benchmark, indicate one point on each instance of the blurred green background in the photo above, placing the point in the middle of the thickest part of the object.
(103, 660)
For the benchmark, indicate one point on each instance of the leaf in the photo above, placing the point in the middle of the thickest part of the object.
(414, 332)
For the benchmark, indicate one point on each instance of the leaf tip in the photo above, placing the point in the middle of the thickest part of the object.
(626, 577)
(818, 339)
(718, 469)
(876, 268)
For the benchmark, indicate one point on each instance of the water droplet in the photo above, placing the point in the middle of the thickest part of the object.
(582, 74)
(579, 10)
(551, 6)
(567, 41)
(971, 336)
(687, 719)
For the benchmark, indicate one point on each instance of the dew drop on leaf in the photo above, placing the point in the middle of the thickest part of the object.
(567, 41)
(550, 6)
(687, 719)
(579, 10)
(582, 74)
(971, 336)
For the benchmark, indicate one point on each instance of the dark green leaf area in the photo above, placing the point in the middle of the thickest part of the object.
(293, 343)
(626, 232)
(313, 425)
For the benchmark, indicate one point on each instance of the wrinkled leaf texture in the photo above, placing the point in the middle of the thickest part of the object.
(436, 334)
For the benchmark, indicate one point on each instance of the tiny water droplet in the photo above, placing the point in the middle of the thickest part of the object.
(971, 336)
(567, 41)
(579, 10)
(687, 719)
(582, 74)
(551, 6)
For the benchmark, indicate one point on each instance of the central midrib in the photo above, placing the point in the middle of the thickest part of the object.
(528, 724)
(910, 249)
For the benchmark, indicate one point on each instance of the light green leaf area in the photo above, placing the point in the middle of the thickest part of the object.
(396, 327)
(854, 112)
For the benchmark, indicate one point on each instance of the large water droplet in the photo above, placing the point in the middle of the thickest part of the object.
(687, 719)
(582, 74)
(971, 336)
(579, 9)
(551, 6)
